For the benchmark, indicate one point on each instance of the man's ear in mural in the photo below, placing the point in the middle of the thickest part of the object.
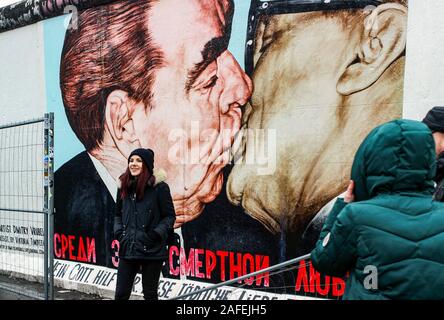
(118, 120)
(382, 42)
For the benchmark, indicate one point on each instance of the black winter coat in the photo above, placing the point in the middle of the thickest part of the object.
(135, 219)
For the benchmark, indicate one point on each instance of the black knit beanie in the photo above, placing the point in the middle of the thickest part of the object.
(435, 119)
(147, 156)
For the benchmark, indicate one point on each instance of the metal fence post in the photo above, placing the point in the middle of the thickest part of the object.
(46, 204)
(49, 206)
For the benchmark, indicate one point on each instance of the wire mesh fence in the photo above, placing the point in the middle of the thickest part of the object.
(25, 195)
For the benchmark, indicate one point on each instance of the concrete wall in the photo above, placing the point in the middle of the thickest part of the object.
(22, 79)
(424, 85)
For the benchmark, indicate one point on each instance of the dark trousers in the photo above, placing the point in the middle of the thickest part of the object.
(126, 273)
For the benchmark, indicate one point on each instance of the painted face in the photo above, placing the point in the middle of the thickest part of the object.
(316, 128)
(197, 96)
(135, 165)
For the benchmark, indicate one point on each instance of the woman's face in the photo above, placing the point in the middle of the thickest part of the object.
(135, 165)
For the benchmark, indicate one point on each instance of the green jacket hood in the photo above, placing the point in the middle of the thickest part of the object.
(398, 156)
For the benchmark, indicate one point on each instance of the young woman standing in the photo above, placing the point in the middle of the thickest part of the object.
(143, 219)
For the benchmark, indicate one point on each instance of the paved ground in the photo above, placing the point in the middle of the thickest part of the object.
(8, 295)
(19, 289)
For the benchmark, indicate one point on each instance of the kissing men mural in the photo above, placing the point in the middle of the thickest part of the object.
(320, 77)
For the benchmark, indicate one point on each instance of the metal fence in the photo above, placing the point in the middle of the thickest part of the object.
(26, 202)
(294, 279)
(276, 269)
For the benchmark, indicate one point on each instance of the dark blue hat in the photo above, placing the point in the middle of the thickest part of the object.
(147, 156)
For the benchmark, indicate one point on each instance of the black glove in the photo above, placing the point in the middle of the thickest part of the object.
(153, 235)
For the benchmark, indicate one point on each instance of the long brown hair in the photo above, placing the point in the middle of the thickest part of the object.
(144, 179)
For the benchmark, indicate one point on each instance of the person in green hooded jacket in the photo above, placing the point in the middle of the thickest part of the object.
(389, 237)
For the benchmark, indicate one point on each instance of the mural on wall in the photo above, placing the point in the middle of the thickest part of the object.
(252, 158)
(324, 75)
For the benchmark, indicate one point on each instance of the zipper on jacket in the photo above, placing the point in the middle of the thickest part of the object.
(133, 240)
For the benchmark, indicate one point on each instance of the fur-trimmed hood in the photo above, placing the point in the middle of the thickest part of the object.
(160, 175)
